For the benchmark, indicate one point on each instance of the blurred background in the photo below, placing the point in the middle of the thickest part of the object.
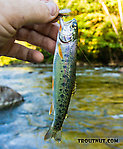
(100, 31)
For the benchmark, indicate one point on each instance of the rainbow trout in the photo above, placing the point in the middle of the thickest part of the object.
(64, 74)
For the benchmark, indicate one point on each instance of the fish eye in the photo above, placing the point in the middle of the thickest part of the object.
(74, 25)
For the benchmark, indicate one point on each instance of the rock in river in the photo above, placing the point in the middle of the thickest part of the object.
(9, 97)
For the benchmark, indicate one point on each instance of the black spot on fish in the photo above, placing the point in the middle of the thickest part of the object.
(65, 76)
(68, 80)
(61, 70)
(56, 127)
(66, 90)
(62, 96)
(59, 117)
(57, 123)
(60, 89)
(66, 55)
(59, 110)
(61, 105)
(64, 66)
(63, 84)
(63, 108)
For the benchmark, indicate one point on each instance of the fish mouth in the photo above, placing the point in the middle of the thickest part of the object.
(68, 38)
(62, 23)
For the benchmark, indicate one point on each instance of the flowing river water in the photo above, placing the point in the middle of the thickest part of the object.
(96, 110)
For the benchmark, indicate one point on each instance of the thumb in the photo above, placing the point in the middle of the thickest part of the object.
(33, 11)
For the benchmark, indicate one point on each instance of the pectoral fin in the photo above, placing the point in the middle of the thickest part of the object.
(60, 51)
(60, 28)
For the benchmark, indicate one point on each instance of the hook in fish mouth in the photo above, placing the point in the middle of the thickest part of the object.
(64, 12)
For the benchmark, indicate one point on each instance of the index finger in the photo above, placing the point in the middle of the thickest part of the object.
(49, 29)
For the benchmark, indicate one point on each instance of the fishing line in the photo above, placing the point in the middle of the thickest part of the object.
(85, 56)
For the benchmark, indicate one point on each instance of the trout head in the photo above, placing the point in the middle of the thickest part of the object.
(68, 31)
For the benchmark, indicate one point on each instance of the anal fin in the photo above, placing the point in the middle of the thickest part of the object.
(52, 84)
(51, 108)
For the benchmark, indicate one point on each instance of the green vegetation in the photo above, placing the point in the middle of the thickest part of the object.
(100, 30)
(97, 37)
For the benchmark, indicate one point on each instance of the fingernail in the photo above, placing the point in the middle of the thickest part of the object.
(52, 8)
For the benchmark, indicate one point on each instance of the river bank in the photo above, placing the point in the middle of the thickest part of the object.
(78, 63)
(119, 66)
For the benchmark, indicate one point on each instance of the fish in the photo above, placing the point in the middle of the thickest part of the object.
(64, 75)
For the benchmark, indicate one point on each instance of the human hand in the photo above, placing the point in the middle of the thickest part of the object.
(27, 20)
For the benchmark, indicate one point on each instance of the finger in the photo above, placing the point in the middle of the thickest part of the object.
(36, 39)
(48, 29)
(25, 54)
(30, 12)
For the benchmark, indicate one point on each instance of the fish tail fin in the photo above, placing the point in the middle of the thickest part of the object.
(51, 133)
